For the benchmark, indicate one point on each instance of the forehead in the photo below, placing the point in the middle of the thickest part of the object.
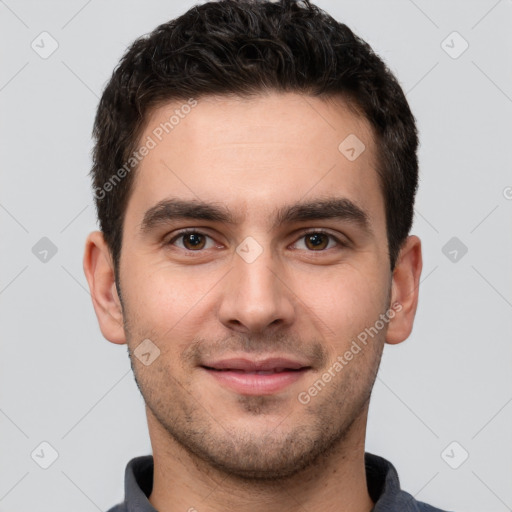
(257, 154)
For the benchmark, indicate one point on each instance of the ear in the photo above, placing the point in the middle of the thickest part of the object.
(99, 271)
(405, 290)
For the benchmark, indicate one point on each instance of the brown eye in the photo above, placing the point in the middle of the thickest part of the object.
(192, 241)
(316, 241)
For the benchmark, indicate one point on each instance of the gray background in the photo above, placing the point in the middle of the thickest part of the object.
(62, 383)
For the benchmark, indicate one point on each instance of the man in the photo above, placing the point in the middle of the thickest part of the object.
(254, 172)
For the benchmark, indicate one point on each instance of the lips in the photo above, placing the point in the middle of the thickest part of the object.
(256, 377)
(270, 365)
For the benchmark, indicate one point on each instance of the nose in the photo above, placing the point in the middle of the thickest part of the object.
(256, 296)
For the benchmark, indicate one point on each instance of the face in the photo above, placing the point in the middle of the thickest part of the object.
(254, 258)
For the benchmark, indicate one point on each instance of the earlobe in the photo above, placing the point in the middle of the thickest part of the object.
(405, 290)
(99, 271)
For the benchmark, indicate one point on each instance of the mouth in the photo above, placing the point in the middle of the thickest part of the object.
(256, 377)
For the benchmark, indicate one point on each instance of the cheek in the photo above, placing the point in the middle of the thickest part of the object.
(158, 288)
(164, 302)
(347, 300)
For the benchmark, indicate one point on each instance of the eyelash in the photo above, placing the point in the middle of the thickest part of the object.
(189, 231)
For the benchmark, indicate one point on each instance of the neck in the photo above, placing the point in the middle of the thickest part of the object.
(337, 482)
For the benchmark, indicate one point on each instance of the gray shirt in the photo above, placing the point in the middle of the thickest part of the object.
(381, 476)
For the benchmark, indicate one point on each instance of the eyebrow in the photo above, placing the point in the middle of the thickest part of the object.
(178, 209)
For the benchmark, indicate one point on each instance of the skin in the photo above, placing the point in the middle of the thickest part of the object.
(216, 449)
